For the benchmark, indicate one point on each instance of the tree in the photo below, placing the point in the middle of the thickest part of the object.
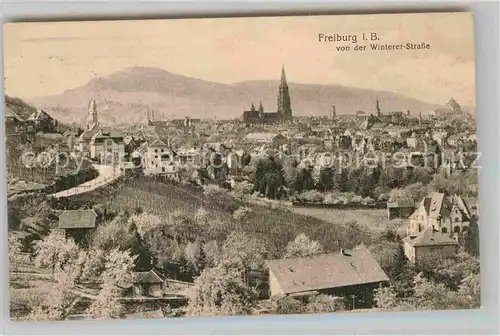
(325, 179)
(221, 291)
(243, 251)
(146, 224)
(471, 238)
(117, 274)
(15, 253)
(268, 177)
(117, 233)
(302, 246)
(55, 251)
(57, 305)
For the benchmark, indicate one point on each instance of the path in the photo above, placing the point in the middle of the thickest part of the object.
(106, 175)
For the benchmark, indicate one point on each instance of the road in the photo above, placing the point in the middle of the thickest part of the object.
(106, 175)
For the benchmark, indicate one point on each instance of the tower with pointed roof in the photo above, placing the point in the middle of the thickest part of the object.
(284, 105)
(92, 114)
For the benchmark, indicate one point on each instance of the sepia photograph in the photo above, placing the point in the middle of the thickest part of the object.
(168, 168)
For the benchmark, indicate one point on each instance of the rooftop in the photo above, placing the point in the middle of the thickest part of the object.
(77, 219)
(325, 271)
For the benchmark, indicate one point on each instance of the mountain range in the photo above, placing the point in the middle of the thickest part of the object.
(126, 95)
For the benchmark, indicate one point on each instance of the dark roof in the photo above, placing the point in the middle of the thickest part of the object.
(327, 271)
(430, 237)
(151, 277)
(77, 219)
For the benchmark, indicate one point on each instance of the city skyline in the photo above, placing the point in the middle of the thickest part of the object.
(43, 59)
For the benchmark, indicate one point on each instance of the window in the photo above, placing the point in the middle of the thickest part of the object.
(456, 229)
(444, 230)
(156, 150)
(162, 150)
(419, 227)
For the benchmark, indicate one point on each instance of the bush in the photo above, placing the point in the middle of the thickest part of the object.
(312, 196)
(324, 304)
(288, 305)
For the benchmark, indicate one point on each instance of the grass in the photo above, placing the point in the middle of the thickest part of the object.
(374, 220)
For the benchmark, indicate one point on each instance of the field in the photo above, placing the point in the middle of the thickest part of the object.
(275, 227)
(370, 219)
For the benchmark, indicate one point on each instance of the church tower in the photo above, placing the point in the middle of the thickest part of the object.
(284, 105)
(92, 115)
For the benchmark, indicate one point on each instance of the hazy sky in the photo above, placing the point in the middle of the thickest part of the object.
(47, 58)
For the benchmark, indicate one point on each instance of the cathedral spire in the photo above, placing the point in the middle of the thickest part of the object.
(252, 108)
(284, 105)
(261, 108)
(283, 75)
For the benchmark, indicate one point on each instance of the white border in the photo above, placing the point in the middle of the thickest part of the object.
(473, 322)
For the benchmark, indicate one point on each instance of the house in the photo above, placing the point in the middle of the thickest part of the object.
(159, 159)
(429, 243)
(340, 274)
(154, 284)
(77, 223)
(15, 125)
(77, 219)
(400, 209)
(148, 284)
(107, 146)
(446, 214)
(43, 121)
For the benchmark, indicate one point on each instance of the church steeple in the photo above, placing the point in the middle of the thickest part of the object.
(261, 108)
(92, 114)
(284, 105)
(252, 108)
(377, 108)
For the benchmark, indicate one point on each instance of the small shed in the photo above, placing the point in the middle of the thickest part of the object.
(77, 219)
(400, 209)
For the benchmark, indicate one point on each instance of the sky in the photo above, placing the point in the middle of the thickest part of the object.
(42, 59)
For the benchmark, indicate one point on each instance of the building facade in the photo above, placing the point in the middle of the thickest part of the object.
(446, 214)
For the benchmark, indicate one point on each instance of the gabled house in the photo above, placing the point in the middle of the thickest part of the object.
(347, 273)
(429, 244)
(17, 126)
(43, 121)
(148, 284)
(107, 146)
(77, 223)
(159, 159)
(446, 214)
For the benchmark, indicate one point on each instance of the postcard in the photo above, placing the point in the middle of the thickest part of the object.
(241, 166)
